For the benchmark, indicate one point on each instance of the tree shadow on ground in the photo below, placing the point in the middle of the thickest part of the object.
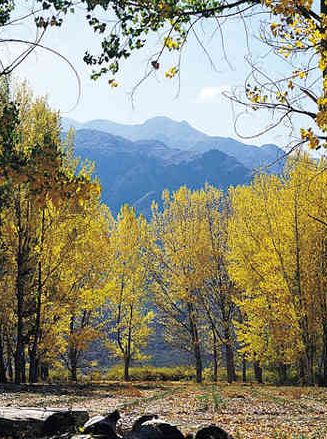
(89, 390)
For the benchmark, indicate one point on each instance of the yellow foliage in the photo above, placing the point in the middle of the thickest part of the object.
(274, 252)
(126, 291)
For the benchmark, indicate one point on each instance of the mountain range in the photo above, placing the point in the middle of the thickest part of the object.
(136, 162)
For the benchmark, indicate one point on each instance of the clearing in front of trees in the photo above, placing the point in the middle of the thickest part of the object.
(245, 410)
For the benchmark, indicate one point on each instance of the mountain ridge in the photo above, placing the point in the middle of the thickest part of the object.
(136, 171)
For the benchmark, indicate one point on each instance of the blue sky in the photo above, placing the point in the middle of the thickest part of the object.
(199, 100)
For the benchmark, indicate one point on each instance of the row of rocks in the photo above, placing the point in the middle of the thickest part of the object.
(19, 423)
(147, 427)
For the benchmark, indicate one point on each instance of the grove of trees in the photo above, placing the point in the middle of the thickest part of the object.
(231, 277)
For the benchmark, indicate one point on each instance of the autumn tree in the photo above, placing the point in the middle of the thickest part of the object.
(178, 273)
(127, 291)
(29, 164)
(34, 172)
(264, 306)
(82, 279)
(192, 286)
(218, 292)
(275, 246)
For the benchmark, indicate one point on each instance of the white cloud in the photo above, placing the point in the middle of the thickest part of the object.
(211, 94)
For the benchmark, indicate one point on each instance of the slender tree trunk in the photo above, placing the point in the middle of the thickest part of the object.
(257, 372)
(215, 356)
(72, 354)
(311, 362)
(282, 372)
(24, 367)
(34, 360)
(305, 369)
(44, 371)
(244, 369)
(324, 355)
(195, 343)
(73, 369)
(9, 359)
(20, 346)
(10, 369)
(302, 377)
(230, 366)
(307, 375)
(128, 353)
(198, 362)
(3, 377)
(33, 375)
(20, 296)
(127, 361)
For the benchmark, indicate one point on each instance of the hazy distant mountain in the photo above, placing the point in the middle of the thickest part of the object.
(182, 136)
(136, 162)
(268, 158)
(174, 134)
(138, 172)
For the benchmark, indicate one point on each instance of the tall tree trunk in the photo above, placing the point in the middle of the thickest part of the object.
(198, 362)
(301, 368)
(44, 371)
(230, 364)
(73, 368)
(72, 354)
(282, 373)
(33, 354)
(307, 375)
(215, 356)
(23, 367)
(128, 353)
(9, 359)
(257, 372)
(324, 354)
(127, 361)
(20, 346)
(244, 369)
(20, 296)
(3, 377)
(34, 360)
(10, 369)
(195, 343)
(33, 375)
(305, 368)
(311, 362)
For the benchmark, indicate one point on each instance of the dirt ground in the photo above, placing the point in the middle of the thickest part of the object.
(246, 411)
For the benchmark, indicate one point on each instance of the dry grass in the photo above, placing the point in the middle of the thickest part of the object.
(246, 411)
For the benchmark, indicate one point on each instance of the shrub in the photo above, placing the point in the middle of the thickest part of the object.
(151, 373)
